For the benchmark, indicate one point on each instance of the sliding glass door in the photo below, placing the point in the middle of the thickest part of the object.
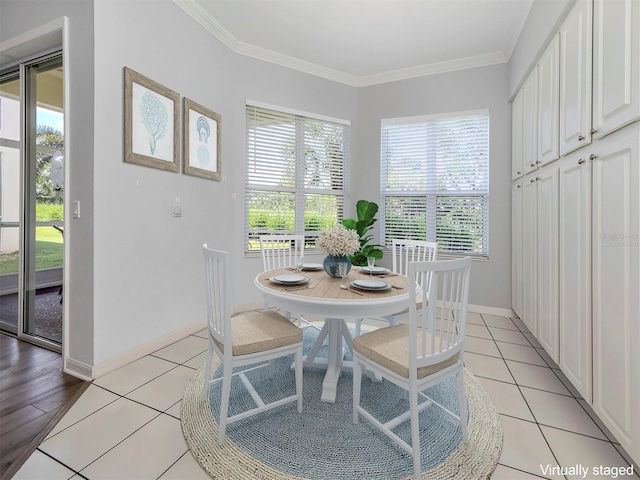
(31, 202)
(10, 201)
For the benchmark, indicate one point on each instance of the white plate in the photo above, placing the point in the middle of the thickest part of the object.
(375, 270)
(364, 284)
(290, 279)
(312, 266)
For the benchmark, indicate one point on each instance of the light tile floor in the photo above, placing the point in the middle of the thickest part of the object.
(127, 424)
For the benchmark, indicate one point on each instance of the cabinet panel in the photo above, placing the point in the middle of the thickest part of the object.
(516, 137)
(530, 122)
(529, 277)
(547, 259)
(616, 287)
(616, 57)
(548, 103)
(575, 271)
(516, 247)
(575, 77)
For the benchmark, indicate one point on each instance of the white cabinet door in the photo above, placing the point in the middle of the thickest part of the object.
(575, 78)
(530, 122)
(616, 64)
(547, 259)
(516, 137)
(548, 103)
(575, 271)
(529, 220)
(616, 285)
(516, 247)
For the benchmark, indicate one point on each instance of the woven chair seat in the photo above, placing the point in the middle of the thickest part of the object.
(388, 348)
(254, 332)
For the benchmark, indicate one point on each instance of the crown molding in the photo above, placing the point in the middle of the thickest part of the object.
(432, 69)
(295, 64)
(214, 27)
(208, 22)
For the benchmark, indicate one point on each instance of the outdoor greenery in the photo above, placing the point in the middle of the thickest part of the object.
(49, 241)
(54, 139)
(49, 250)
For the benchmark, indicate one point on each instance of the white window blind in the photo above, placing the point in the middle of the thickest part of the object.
(435, 182)
(295, 174)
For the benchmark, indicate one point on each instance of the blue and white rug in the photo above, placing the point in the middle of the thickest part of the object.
(323, 443)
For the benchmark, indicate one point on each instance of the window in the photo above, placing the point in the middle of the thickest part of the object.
(435, 181)
(295, 174)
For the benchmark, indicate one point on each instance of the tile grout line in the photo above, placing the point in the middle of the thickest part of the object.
(530, 410)
(572, 395)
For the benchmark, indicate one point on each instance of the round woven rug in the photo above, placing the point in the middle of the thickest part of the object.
(323, 443)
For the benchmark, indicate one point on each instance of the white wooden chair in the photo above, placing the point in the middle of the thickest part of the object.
(246, 339)
(420, 354)
(403, 252)
(280, 251)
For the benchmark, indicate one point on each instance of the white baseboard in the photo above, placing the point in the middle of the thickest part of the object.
(247, 307)
(77, 369)
(121, 360)
(87, 372)
(501, 312)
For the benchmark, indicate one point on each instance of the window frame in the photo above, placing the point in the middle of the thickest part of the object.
(430, 196)
(299, 190)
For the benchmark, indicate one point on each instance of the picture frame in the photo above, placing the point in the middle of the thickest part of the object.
(202, 144)
(151, 123)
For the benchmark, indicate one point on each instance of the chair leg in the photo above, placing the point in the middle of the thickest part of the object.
(224, 402)
(415, 430)
(358, 326)
(207, 373)
(299, 377)
(462, 405)
(357, 381)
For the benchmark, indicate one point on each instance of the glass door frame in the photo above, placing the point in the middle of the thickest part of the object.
(7, 77)
(27, 73)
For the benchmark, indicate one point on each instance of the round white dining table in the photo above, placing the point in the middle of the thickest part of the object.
(322, 296)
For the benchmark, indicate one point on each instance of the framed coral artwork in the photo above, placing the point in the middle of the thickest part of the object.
(202, 146)
(151, 123)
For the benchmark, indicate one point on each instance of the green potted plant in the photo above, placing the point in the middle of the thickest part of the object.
(366, 212)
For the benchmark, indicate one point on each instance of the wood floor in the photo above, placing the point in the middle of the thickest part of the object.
(34, 395)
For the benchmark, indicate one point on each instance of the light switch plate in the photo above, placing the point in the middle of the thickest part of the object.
(176, 210)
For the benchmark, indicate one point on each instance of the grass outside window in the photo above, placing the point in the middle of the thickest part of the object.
(49, 243)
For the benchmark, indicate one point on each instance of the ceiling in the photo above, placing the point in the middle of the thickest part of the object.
(365, 42)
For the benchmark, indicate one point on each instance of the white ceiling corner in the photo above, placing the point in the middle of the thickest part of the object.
(366, 42)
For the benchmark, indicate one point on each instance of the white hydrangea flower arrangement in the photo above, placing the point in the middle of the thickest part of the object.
(339, 241)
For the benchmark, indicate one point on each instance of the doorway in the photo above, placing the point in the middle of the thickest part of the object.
(31, 200)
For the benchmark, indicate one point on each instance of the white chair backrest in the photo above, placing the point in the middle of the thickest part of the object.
(218, 306)
(280, 250)
(442, 324)
(406, 251)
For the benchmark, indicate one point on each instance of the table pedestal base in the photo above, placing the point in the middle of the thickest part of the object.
(335, 329)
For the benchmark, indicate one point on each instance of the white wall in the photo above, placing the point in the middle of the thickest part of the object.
(148, 265)
(136, 272)
(465, 90)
